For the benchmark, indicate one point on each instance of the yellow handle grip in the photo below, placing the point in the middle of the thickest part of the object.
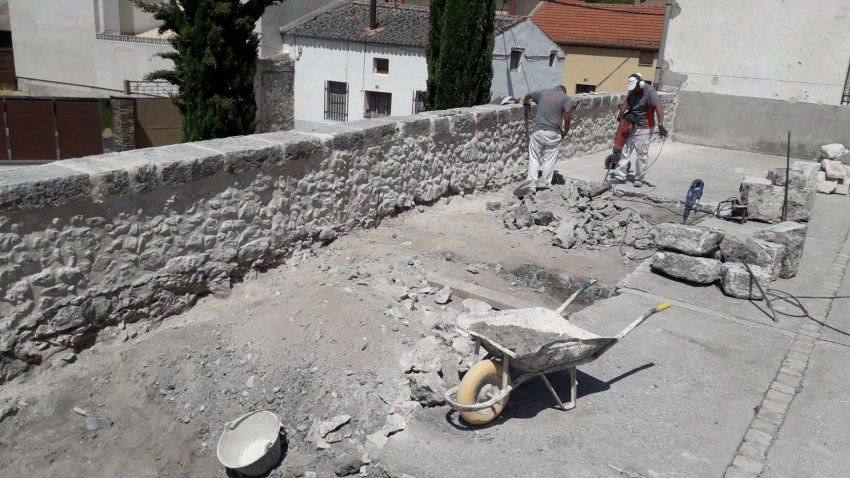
(665, 305)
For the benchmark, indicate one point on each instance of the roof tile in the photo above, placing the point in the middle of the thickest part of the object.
(574, 22)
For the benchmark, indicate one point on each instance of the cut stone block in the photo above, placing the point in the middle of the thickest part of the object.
(796, 178)
(793, 236)
(834, 170)
(765, 254)
(733, 248)
(700, 270)
(832, 151)
(691, 240)
(764, 200)
(842, 189)
(827, 187)
(810, 171)
(737, 282)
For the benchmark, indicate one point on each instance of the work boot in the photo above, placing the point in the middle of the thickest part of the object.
(638, 183)
(617, 175)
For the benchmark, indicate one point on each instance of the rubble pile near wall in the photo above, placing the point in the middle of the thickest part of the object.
(828, 175)
(701, 255)
(577, 220)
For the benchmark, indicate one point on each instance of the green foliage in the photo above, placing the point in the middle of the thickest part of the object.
(460, 53)
(215, 58)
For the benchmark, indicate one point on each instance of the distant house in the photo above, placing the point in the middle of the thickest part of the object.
(345, 70)
(603, 43)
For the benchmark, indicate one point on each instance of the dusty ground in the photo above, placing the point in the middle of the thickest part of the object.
(316, 338)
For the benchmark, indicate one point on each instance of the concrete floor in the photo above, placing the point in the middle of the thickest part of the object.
(677, 165)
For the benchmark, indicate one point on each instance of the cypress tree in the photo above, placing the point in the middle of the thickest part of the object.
(215, 58)
(460, 64)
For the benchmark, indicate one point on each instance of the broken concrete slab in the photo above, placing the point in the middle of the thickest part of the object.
(834, 170)
(565, 235)
(793, 236)
(690, 240)
(765, 254)
(425, 356)
(738, 282)
(700, 270)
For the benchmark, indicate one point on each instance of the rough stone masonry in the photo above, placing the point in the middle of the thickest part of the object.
(122, 237)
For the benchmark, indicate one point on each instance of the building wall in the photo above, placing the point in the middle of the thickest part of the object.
(791, 50)
(279, 15)
(319, 61)
(57, 53)
(534, 71)
(607, 68)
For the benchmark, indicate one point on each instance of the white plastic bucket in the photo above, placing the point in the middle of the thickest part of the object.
(250, 444)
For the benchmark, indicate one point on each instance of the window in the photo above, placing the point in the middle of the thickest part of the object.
(553, 55)
(378, 104)
(646, 58)
(336, 101)
(516, 57)
(382, 66)
(418, 102)
(580, 88)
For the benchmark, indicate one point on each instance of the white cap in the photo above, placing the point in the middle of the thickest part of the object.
(632, 83)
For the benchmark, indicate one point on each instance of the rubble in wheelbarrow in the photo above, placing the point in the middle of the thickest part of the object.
(702, 255)
(576, 220)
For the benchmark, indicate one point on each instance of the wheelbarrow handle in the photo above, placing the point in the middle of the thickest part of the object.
(581, 289)
(649, 313)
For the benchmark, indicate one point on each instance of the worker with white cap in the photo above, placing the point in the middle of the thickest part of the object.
(640, 108)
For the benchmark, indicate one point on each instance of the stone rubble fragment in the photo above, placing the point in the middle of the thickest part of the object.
(443, 296)
(427, 389)
(475, 305)
(425, 356)
(826, 187)
(690, 240)
(832, 151)
(765, 254)
(793, 236)
(699, 270)
(834, 170)
(765, 201)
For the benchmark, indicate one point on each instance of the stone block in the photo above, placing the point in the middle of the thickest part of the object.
(842, 189)
(765, 254)
(182, 163)
(832, 151)
(39, 186)
(700, 270)
(737, 282)
(834, 170)
(796, 178)
(415, 125)
(826, 187)
(691, 240)
(793, 236)
(733, 248)
(765, 201)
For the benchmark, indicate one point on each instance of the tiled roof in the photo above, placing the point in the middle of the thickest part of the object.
(402, 25)
(573, 22)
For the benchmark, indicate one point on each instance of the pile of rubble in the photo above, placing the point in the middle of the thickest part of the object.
(829, 176)
(704, 255)
(576, 218)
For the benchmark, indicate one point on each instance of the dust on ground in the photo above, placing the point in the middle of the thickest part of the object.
(318, 340)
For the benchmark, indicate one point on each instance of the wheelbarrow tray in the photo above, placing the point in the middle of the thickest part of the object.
(535, 339)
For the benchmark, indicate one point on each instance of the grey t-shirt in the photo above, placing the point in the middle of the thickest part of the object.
(551, 105)
(643, 106)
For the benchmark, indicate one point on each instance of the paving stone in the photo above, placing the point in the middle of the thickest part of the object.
(748, 464)
(766, 426)
(735, 472)
(774, 406)
(802, 357)
(791, 372)
(758, 437)
(778, 396)
(771, 416)
(753, 450)
(783, 388)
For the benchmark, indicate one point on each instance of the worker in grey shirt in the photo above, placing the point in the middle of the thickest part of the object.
(641, 107)
(552, 123)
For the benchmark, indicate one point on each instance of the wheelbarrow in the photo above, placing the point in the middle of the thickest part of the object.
(530, 343)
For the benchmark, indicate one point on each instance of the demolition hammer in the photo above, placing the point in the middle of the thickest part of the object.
(693, 197)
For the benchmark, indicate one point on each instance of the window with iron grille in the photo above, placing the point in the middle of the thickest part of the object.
(336, 101)
(516, 58)
(382, 66)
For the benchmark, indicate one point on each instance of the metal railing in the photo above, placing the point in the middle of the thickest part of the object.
(132, 39)
(336, 101)
(160, 89)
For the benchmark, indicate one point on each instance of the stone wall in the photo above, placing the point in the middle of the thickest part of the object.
(274, 91)
(139, 235)
(123, 123)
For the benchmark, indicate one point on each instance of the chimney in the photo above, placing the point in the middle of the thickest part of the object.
(373, 14)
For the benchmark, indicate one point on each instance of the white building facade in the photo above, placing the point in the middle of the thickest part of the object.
(524, 60)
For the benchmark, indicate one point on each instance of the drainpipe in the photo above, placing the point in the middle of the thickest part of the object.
(373, 14)
(659, 66)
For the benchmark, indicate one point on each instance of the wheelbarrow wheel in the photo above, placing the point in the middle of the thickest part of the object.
(479, 385)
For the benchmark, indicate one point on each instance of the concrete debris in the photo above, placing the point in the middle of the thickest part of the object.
(375, 442)
(394, 424)
(7, 411)
(765, 254)
(494, 205)
(690, 240)
(347, 465)
(832, 151)
(475, 305)
(444, 296)
(333, 424)
(737, 281)
(427, 389)
(792, 235)
(699, 270)
(425, 356)
(565, 235)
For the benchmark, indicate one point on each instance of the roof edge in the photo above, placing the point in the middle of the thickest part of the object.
(617, 46)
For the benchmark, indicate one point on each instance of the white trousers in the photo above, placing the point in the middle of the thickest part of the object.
(637, 143)
(543, 150)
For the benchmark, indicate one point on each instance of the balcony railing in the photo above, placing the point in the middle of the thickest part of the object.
(132, 39)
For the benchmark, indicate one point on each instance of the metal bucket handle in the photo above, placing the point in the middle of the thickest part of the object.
(235, 422)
